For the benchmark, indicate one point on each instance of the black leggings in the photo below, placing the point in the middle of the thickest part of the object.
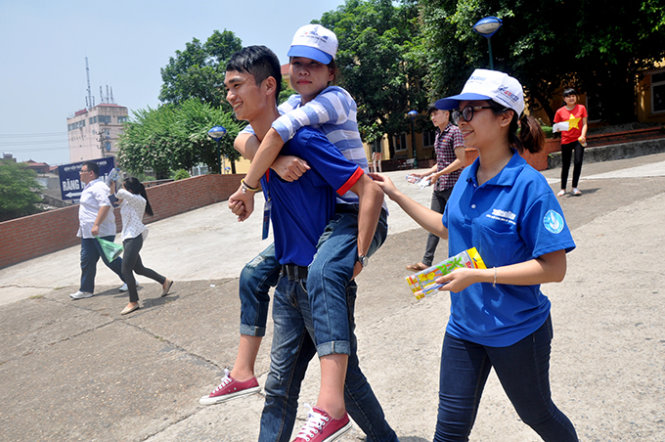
(566, 154)
(131, 263)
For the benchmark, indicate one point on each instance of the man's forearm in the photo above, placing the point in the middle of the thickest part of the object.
(370, 198)
(452, 167)
(101, 215)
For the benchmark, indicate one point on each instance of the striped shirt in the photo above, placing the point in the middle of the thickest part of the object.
(333, 111)
(445, 143)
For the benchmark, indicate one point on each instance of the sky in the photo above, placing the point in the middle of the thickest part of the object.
(44, 43)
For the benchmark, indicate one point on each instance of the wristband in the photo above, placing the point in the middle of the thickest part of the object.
(247, 187)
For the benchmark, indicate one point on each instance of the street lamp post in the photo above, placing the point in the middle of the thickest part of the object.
(412, 114)
(216, 133)
(487, 27)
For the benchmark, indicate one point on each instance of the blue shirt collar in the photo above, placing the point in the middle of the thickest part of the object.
(506, 177)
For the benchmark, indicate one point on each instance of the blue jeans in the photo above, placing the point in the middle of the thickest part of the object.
(91, 251)
(329, 275)
(522, 368)
(256, 278)
(262, 272)
(292, 349)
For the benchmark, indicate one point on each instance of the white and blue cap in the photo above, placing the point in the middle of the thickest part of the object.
(315, 42)
(488, 85)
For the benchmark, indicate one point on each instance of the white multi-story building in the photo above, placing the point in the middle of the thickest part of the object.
(93, 133)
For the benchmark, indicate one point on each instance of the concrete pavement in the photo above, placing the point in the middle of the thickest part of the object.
(77, 370)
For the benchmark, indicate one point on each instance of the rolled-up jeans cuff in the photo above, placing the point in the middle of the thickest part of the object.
(252, 330)
(333, 348)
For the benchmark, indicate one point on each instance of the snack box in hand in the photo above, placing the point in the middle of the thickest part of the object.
(424, 282)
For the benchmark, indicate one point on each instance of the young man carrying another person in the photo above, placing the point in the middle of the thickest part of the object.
(300, 211)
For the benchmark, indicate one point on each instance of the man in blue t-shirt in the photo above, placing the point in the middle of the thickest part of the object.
(299, 212)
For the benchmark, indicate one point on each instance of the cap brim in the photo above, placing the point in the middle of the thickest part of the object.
(452, 102)
(309, 52)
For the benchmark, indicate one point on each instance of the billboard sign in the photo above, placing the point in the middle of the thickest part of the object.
(71, 185)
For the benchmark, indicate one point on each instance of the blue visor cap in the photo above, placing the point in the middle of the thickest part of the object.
(309, 52)
(450, 103)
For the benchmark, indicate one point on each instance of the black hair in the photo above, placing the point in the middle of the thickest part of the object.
(259, 61)
(134, 186)
(569, 91)
(335, 70)
(524, 133)
(432, 107)
(92, 167)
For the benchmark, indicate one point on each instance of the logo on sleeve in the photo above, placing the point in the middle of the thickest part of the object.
(553, 222)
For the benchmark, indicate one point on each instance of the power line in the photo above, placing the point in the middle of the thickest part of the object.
(43, 134)
(22, 151)
(26, 142)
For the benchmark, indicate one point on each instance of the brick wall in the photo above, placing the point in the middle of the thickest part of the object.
(35, 235)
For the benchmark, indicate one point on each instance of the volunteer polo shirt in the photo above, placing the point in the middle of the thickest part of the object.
(300, 210)
(512, 218)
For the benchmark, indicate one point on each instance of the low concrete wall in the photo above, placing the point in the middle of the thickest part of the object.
(613, 151)
(35, 235)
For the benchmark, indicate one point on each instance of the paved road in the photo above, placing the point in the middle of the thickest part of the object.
(77, 370)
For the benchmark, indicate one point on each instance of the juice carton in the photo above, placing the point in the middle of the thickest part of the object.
(424, 282)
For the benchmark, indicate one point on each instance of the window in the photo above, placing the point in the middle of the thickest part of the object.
(76, 125)
(93, 120)
(104, 119)
(658, 92)
(400, 142)
(123, 119)
(428, 138)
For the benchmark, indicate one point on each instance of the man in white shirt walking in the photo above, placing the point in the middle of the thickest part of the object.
(95, 219)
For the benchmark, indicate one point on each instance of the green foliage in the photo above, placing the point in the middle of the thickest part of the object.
(285, 92)
(381, 59)
(548, 44)
(198, 71)
(175, 137)
(180, 174)
(18, 191)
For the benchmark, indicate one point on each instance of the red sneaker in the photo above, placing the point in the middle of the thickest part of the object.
(229, 389)
(320, 427)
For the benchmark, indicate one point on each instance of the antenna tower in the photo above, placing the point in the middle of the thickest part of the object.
(88, 100)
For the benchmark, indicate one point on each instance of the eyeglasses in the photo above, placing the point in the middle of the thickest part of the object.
(467, 113)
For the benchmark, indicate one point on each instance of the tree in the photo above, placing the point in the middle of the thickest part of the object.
(19, 193)
(198, 71)
(548, 44)
(381, 61)
(175, 137)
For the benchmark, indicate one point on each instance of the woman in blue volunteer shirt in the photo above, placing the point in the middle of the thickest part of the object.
(499, 318)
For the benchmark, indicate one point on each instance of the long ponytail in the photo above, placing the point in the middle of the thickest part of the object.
(137, 188)
(527, 134)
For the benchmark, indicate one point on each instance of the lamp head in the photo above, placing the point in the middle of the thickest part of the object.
(487, 26)
(217, 132)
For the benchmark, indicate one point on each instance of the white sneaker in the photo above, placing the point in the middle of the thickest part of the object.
(576, 191)
(79, 294)
(123, 288)
(562, 192)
